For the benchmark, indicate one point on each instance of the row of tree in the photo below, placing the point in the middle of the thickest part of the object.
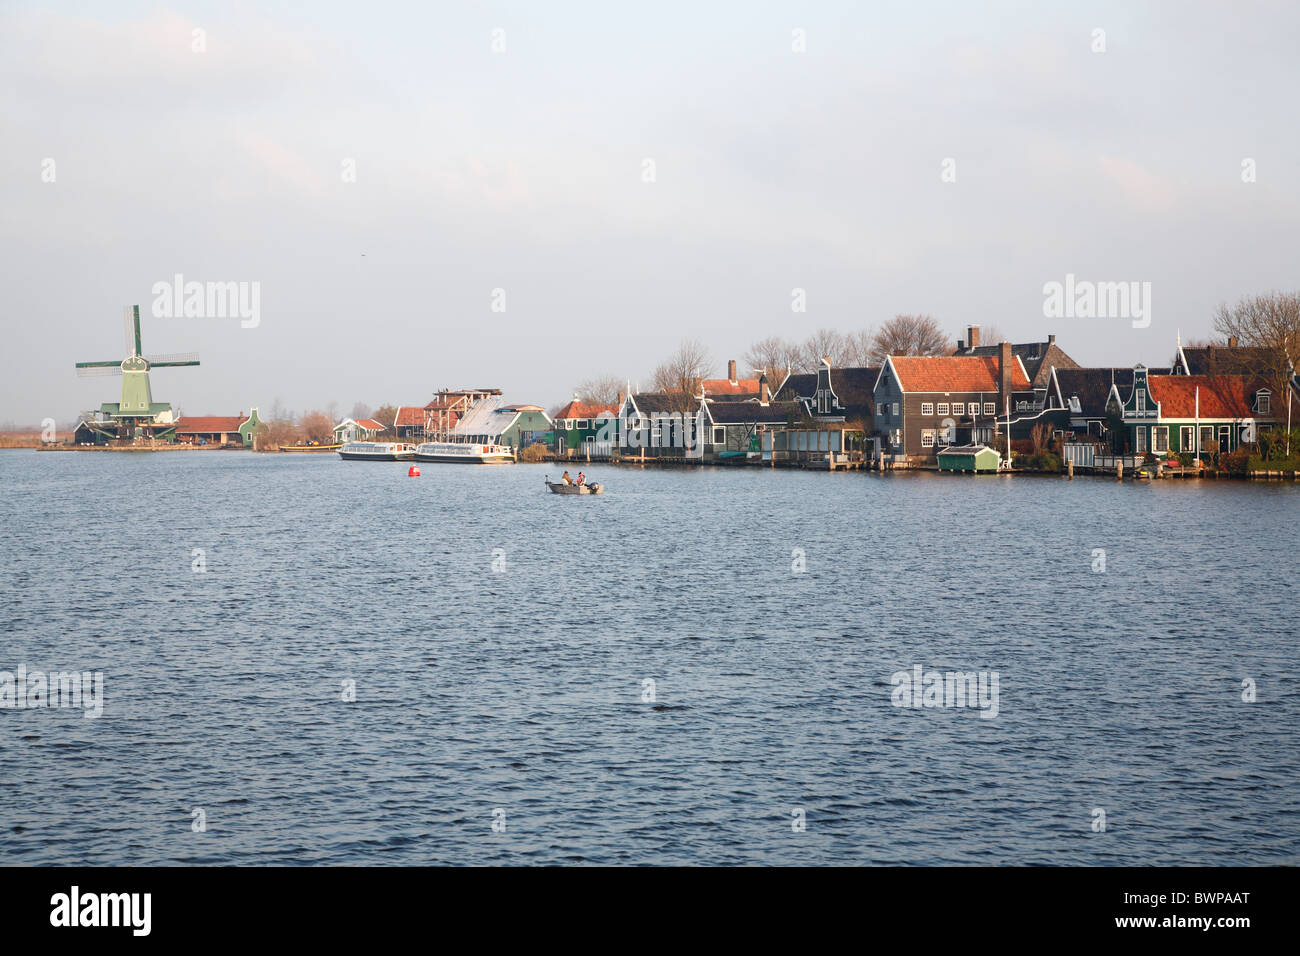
(280, 426)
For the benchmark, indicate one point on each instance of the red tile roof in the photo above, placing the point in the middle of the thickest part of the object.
(953, 373)
(1222, 396)
(724, 386)
(209, 424)
(410, 415)
(577, 409)
(370, 423)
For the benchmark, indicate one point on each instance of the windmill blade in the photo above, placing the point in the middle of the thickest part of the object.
(172, 359)
(96, 369)
(131, 317)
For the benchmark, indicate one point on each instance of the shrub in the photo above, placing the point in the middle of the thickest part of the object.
(533, 453)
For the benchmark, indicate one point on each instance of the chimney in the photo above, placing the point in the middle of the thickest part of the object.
(764, 390)
(973, 336)
(961, 345)
(731, 371)
(1051, 340)
(1004, 376)
(1232, 341)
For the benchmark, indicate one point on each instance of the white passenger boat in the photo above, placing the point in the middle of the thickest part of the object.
(376, 451)
(469, 453)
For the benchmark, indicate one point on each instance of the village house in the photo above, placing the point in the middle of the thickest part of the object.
(490, 421)
(833, 395)
(1084, 394)
(585, 429)
(1194, 414)
(218, 429)
(924, 403)
(409, 423)
(730, 388)
(351, 429)
(736, 429)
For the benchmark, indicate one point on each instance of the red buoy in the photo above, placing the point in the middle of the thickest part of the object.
(414, 472)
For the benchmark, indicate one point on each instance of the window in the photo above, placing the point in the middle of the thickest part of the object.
(1140, 437)
(1263, 401)
(582, 423)
(990, 408)
(942, 408)
(927, 408)
(1225, 439)
(895, 409)
(959, 408)
(927, 437)
(719, 435)
(1186, 438)
(1159, 439)
(1207, 435)
(568, 424)
(1141, 401)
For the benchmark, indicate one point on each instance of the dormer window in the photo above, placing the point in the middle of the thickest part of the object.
(1264, 402)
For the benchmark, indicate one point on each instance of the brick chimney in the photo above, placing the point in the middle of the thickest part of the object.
(1051, 340)
(764, 390)
(731, 371)
(1004, 376)
(1232, 341)
(973, 336)
(961, 345)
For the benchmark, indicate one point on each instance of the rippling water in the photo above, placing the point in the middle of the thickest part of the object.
(522, 690)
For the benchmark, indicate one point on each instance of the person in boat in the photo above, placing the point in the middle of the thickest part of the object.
(582, 479)
(567, 480)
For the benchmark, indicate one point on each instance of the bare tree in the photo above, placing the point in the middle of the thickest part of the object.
(1269, 322)
(679, 377)
(386, 415)
(359, 411)
(602, 390)
(824, 343)
(775, 356)
(909, 335)
(857, 347)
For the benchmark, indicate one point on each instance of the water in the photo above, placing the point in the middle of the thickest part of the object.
(521, 691)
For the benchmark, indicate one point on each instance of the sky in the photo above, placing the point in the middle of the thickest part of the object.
(380, 170)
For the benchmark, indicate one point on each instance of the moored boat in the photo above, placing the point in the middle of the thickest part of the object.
(376, 451)
(311, 448)
(470, 453)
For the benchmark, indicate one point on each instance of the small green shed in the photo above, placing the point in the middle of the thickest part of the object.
(972, 458)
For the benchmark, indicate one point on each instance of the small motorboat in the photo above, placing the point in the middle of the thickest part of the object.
(560, 488)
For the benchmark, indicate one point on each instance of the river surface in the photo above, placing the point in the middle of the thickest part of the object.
(696, 667)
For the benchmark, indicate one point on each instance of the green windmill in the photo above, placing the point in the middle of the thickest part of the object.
(137, 415)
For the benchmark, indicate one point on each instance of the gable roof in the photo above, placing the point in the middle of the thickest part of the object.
(953, 373)
(1221, 396)
(370, 424)
(1092, 386)
(409, 415)
(577, 409)
(204, 424)
(724, 386)
(1229, 359)
(1038, 358)
(753, 413)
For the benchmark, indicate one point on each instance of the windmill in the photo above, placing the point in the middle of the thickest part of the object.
(137, 415)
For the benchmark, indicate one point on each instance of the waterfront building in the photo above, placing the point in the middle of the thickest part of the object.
(219, 429)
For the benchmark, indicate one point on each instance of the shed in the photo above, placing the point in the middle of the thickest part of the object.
(973, 458)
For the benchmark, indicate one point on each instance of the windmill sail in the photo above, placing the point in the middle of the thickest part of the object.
(95, 369)
(131, 315)
(172, 359)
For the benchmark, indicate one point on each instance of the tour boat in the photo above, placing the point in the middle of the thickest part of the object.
(376, 451)
(469, 453)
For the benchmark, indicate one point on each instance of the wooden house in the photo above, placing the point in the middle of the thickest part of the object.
(352, 429)
(924, 403)
(582, 428)
(218, 429)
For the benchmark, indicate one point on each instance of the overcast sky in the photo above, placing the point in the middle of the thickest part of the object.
(523, 170)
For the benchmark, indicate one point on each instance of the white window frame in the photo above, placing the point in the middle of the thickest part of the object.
(581, 423)
(1264, 402)
(895, 409)
(927, 408)
(719, 429)
(959, 408)
(927, 437)
(1159, 436)
(941, 408)
(990, 408)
